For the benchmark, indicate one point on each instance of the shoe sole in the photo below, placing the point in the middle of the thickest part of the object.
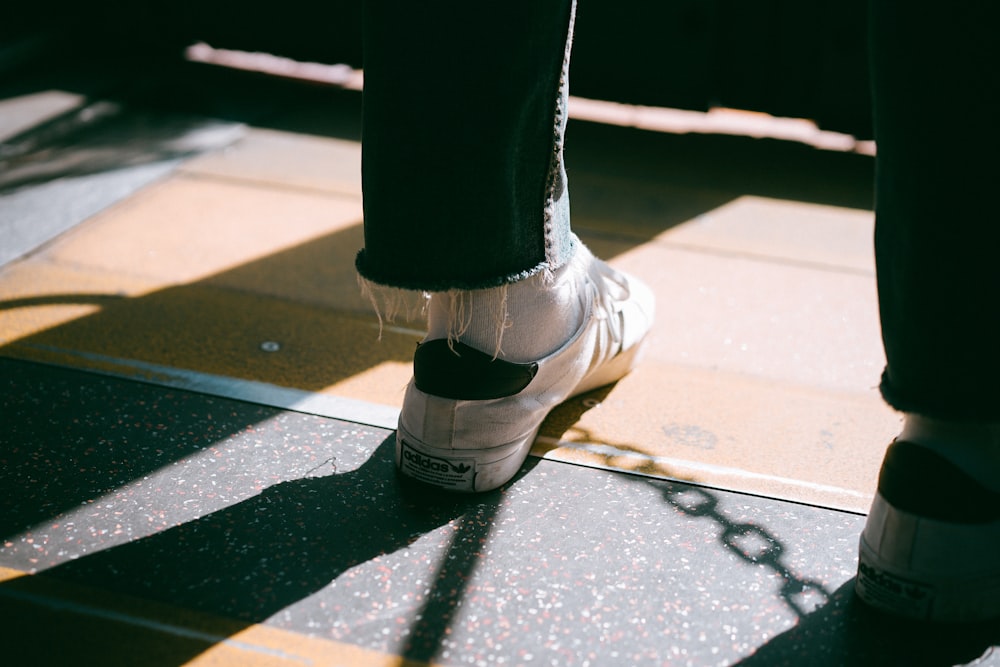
(484, 469)
(957, 579)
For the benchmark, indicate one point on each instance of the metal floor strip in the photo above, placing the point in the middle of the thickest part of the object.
(250, 391)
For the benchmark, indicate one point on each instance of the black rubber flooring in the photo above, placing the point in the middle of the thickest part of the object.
(248, 514)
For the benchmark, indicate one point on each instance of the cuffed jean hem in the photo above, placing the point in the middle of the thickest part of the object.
(560, 249)
(959, 407)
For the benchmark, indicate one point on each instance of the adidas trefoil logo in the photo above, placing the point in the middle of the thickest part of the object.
(430, 463)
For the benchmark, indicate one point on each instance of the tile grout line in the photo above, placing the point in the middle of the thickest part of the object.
(196, 173)
(726, 253)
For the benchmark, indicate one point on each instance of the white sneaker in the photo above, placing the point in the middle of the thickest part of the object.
(930, 548)
(469, 420)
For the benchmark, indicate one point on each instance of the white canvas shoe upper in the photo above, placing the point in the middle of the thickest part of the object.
(478, 444)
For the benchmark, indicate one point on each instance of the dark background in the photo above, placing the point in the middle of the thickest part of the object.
(783, 57)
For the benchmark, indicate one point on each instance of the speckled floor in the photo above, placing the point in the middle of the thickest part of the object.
(297, 522)
(195, 419)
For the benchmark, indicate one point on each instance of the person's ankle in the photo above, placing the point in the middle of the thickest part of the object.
(521, 321)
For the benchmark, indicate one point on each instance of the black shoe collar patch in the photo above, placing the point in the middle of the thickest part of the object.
(465, 373)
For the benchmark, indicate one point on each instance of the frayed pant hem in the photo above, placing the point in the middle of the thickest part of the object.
(970, 409)
(394, 299)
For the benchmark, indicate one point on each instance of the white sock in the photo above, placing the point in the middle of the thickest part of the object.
(974, 448)
(522, 321)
